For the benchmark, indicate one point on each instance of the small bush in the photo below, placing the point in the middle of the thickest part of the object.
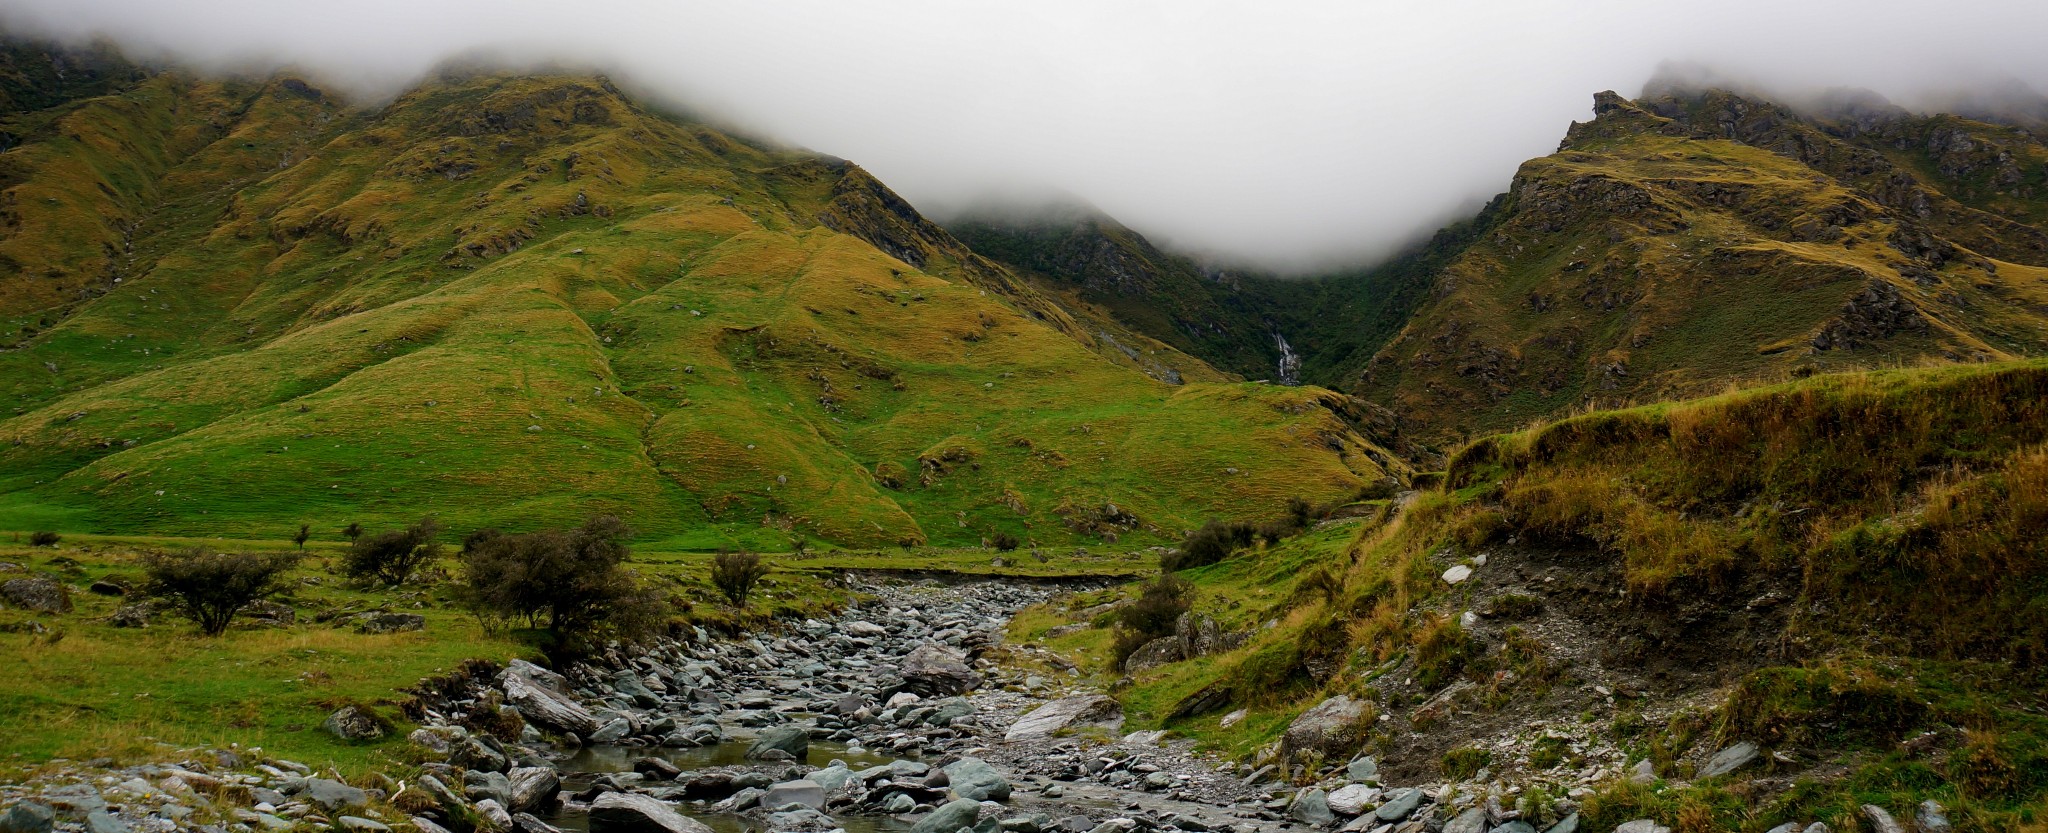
(392, 558)
(44, 538)
(1004, 541)
(735, 574)
(305, 532)
(211, 587)
(1214, 542)
(352, 532)
(1155, 612)
(573, 582)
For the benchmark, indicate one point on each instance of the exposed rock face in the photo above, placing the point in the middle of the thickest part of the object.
(1158, 652)
(389, 622)
(1050, 718)
(933, 671)
(37, 594)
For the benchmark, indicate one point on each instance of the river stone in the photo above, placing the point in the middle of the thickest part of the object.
(1351, 799)
(863, 629)
(494, 815)
(790, 740)
(547, 708)
(1312, 807)
(803, 792)
(1330, 729)
(617, 729)
(1929, 817)
(1729, 760)
(948, 818)
(1516, 826)
(1641, 826)
(523, 823)
(534, 788)
(1364, 769)
(832, 778)
(973, 778)
(619, 812)
(1457, 574)
(1880, 820)
(1045, 721)
(899, 803)
(29, 817)
(101, 821)
(354, 723)
(487, 786)
(630, 685)
(933, 671)
(1399, 805)
(37, 594)
(363, 825)
(1568, 824)
(1473, 820)
(332, 796)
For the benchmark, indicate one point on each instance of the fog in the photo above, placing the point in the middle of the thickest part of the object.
(1291, 135)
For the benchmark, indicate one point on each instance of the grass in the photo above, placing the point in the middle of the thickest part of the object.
(595, 309)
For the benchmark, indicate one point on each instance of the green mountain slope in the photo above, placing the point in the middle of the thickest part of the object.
(235, 307)
(1677, 244)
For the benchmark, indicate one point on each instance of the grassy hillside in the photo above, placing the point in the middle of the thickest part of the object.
(1844, 570)
(1673, 246)
(237, 307)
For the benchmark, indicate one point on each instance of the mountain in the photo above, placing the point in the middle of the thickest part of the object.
(1682, 242)
(233, 306)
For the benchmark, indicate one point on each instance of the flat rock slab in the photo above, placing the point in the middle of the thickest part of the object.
(619, 812)
(1087, 709)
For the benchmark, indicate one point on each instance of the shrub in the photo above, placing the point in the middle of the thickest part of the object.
(391, 558)
(305, 532)
(211, 587)
(1004, 541)
(44, 538)
(1465, 762)
(735, 574)
(352, 532)
(1214, 542)
(1155, 612)
(572, 582)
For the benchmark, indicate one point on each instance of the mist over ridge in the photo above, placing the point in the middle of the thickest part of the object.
(1291, 136)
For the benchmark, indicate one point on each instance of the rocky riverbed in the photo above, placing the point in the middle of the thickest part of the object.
(893, 716)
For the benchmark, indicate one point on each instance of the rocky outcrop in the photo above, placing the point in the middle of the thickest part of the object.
(1081, 710)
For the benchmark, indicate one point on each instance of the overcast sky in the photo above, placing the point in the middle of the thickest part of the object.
(1290, 134)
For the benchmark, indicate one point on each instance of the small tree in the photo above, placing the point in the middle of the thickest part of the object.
(305, 531)
(1154, 614)
(391, 558)
(736, 573)
(352, 532)
(44, 538)
(211, 587)
(574, 582)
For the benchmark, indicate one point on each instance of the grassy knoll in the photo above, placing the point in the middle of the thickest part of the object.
(1890, 519)
(516, 301)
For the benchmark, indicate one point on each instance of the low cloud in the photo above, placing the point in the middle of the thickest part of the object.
(1293, 135)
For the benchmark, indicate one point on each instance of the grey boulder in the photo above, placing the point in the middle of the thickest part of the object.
(619, 812)
(1088, 709)
(791, 740)
(949, 817)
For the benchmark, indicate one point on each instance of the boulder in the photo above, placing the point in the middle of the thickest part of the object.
(132, 615)
(488, 786)
(1568, 824)
(791, 740)
(1158, 652)
(1881, 821)
(1929, 817)
(804, 792)
(40, 595)
(973, 778)
(1473, 820)
(1399, 805)
(333, 796)
(1364, 770)
(389, 622)
(1312, 807)
(612, 732)
(1352, 799)
(267, 612)
(533, 788)
(30, 817)
(620, 812)
(1330, 730)
(933, 671)
(354, 723)
(546, 707)
(949, 817)
(522, 823)
(1641, 826)
(494, 815)
(1045, 721)
(863, 629)
(1729, 760)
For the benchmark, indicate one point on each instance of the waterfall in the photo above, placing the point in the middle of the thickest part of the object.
(1290, 364)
